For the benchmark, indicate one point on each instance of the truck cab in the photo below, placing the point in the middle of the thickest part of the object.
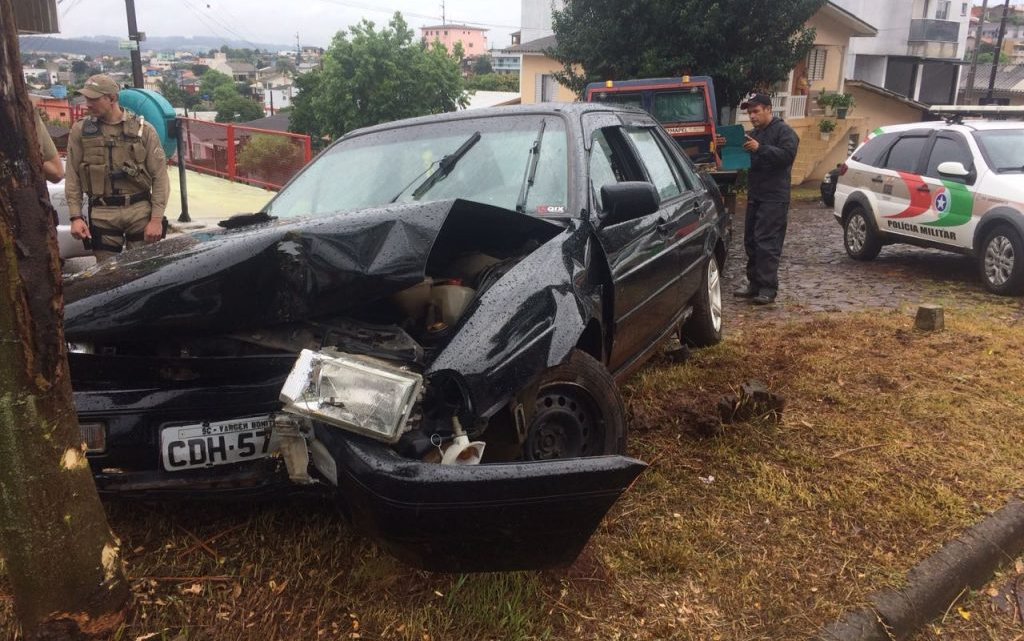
(685, 106)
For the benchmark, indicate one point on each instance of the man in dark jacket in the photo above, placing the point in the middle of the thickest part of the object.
(772, 146)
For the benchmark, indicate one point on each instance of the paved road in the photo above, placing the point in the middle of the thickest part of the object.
(816, 274)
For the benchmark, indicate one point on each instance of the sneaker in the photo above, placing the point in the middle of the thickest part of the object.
(747, 291)
(763, 299)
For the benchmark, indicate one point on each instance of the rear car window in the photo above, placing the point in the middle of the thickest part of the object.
(905, 154)
(874, 150)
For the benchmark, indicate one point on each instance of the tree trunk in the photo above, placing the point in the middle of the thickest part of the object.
(63, 562)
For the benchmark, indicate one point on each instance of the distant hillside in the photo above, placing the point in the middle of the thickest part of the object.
(107, 45)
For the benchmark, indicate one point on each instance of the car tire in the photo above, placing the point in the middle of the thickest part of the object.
(1001, 261)
(859, 236)
(579, 412)
(704, 327)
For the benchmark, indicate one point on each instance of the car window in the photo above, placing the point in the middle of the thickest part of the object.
(873, 151)
(1003, 149)
(658, 168)
(948, 149)
(395, 165)
(905, 154)
(603, 166)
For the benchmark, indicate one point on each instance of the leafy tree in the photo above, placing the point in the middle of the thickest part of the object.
(79, 67)
(211, 80)
(372, 76)
(235, 108)
(483, 65)
(199, 70)
(177, 96)
(494, 82)
(272, 159)
(285, 66)
(741, 46)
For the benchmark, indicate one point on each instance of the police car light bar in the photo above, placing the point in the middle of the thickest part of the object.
(979, 110)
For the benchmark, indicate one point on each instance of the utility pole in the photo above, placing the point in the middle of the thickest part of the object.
(443, 22)
(969, 93)
(998, 51)
(137, 38)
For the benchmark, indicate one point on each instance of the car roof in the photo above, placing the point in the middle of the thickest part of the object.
(965, 126)
(548, 108)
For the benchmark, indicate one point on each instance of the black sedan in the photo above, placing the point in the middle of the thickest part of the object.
(429, 321)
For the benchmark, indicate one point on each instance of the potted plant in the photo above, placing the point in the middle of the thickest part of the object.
(827, 101)
(826, 127)
(843, 103)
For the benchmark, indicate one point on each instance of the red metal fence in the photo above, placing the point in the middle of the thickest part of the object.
(245, 154)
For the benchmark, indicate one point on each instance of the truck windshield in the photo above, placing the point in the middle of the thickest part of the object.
(626, 99)
(680, 106)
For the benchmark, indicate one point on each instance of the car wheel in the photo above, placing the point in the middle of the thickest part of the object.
(579, 412)
(704, 327)
(1001, 261)
(859, 236)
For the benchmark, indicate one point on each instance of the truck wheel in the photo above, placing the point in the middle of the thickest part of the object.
(859, 235)
(1001, 261)
(578, 412)
(704, 328)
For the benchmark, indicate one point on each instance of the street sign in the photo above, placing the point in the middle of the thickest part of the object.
(127, 44)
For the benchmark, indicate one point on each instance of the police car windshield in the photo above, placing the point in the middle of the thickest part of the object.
(1003, 149)
(392, 166)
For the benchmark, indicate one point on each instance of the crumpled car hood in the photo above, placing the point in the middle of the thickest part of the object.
(265, 275)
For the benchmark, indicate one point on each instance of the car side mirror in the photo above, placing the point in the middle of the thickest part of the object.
(628, 201)
(953, 169)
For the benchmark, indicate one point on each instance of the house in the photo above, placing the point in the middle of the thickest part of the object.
(1008, 87)
(536, 75)
(918, 54)
(473, 39)
(505, 63)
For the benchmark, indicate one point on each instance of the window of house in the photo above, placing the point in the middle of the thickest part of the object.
(963, 8)
(942, 11)
(816, 64)
(546, 88)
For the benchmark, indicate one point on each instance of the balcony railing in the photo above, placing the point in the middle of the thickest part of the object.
(922, 30)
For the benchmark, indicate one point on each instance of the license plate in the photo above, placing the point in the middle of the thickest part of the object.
(186, 447)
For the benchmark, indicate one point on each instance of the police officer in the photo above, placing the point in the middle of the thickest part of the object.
(772, 146)
(116, 158)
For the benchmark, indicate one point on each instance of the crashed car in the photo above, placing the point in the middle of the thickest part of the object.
(429, 320)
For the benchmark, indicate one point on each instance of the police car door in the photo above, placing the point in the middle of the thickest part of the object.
(951, 219)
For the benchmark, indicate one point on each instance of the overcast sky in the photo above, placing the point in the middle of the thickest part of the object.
(277, 21)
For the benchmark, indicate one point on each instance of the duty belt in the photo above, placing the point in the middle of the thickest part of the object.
(120, 200)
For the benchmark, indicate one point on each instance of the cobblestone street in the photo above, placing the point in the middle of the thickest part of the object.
(816, 274)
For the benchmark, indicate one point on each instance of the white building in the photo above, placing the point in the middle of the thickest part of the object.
(918, 49)
(536, 19)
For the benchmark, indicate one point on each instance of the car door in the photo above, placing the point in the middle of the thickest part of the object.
(951, 219)
(904, 195)
(643, 253)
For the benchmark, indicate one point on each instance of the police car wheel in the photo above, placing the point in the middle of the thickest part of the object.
(859, 236)
(1001, 261)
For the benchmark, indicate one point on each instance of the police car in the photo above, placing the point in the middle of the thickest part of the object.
(955, 185)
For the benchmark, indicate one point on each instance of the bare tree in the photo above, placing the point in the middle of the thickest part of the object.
(62, 560)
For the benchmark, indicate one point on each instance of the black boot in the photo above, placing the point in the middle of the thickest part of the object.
(746, 291)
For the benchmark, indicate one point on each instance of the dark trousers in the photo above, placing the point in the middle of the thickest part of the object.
(763, 233)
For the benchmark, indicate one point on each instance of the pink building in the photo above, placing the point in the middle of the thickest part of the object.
(473, 39)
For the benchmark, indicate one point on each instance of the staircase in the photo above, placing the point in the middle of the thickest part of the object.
(813, 150)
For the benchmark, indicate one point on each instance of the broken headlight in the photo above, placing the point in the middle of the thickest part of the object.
(357, 393)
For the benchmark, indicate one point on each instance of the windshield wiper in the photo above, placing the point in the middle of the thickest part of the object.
(1004, 169)
(445, 166)
(531, 172)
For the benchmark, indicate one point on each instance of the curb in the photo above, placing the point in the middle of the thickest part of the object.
(935, 583)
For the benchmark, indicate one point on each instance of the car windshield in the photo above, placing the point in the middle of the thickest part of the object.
(680, 106)
(1003, 149)
(516, 162)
